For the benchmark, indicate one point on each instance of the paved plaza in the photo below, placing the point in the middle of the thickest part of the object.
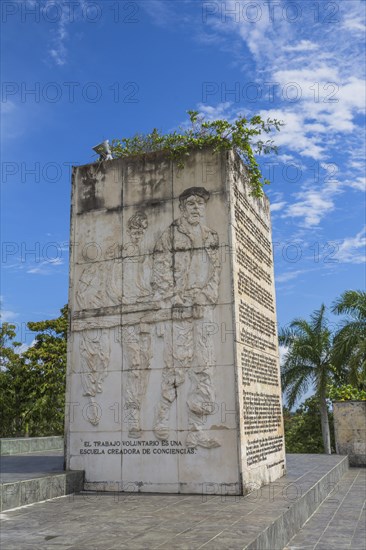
(340, 521)
(92, 521)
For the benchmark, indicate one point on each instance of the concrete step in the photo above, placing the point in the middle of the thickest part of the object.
(310, 479)
(267, 518)
(35, 477)
(340, 521)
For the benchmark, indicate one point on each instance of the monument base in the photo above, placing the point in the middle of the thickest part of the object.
(320, 486)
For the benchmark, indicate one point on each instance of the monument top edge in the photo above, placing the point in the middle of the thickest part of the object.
(229, 155)
(153, 155)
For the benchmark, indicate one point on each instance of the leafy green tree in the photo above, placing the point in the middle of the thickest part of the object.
(346, 392)
(303, 432)
(33, 382)
(309, 361)
(350, 340)
(243, 135)
(13, 400)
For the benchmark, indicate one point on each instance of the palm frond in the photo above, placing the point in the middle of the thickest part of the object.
(351, 302)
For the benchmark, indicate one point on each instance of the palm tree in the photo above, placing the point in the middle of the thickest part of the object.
(350, 340)
(308, 361)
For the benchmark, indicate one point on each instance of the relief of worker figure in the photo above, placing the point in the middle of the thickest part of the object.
(185, 279)
(94, 357)
(128, 280)
(136, 340)
(90, 293)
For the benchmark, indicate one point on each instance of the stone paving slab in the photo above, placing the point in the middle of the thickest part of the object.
(261, 519)
(340, 521)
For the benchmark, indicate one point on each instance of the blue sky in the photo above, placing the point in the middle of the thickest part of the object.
(107, 69)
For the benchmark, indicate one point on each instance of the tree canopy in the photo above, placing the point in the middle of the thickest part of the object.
(308, 361)
(350, 340)
(32, 383)
(303, 432)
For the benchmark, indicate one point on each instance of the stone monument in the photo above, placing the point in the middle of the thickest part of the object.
(173, 375)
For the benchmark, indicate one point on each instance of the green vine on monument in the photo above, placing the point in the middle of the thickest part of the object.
(242, 135)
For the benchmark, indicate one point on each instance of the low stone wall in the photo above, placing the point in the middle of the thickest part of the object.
(28, 491)
(22, 445)
(350, 430)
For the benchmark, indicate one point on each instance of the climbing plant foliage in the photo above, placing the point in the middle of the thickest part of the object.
(244, 135)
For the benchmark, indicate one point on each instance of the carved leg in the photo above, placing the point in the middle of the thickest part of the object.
(92, 413)
(201, 397)
(196, 419)
(138, 349)
(133, 418)
(133, 403)
(161, 422)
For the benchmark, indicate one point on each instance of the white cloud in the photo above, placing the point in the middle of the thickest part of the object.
(286, 158)
(353, 249)
(321, 107)
(45, 267)
(7, 315)
(276, 206)
(218, 111)
(359, 183)
(354, 18)
(311, 206)
(302, 46)
(159, 11)
(289, 276)
(295, 136)
(24, 347)
(58, 51)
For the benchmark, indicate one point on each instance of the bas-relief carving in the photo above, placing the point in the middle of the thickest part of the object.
(94, 346)
(136, 338)
(177, 300)
(94, 350)
(186, 276)
(96, 287)
(135, 265)
(90, 292)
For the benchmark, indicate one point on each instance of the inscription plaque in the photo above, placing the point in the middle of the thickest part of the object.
(257, 348)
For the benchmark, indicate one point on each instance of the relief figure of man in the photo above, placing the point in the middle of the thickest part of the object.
(185, 280)
(94, 350)
(136, 338)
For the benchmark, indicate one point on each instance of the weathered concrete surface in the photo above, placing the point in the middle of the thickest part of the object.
(30, 478)
(173, 374)
(350, 430)
(266, 519)
(21, 445)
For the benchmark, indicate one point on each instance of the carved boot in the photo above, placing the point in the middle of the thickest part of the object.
(201, 439)
(161, 423)
(197, 437)
(134, 429)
